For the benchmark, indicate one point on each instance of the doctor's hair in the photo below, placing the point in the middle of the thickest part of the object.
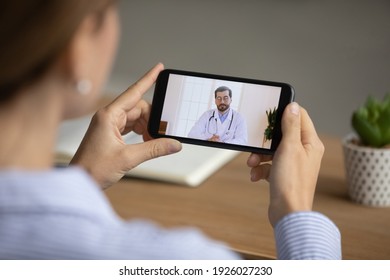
(34, 34)
(221, 89)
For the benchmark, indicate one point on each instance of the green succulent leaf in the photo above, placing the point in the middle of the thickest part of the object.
(384, 125)
(386, 101)
(372, 122)
(369, 134)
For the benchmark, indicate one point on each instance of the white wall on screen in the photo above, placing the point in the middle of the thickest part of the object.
(255, 101)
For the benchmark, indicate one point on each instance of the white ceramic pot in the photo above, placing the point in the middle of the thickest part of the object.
(368, 173)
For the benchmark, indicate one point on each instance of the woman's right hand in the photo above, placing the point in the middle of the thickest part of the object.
(103, 152)
(295, 165)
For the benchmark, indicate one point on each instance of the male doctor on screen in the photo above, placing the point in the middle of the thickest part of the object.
(222, 124)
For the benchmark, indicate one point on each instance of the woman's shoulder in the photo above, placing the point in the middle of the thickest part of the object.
(42, 178)
(70, 189)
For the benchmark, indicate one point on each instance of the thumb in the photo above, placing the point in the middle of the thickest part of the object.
(153, 149)
(291, 123)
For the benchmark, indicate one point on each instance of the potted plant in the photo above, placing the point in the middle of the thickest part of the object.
(367, 153)
(269, 131)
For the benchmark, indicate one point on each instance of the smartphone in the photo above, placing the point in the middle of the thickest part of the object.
(219, 111)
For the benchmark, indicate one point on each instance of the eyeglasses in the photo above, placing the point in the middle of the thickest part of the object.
(225, 98)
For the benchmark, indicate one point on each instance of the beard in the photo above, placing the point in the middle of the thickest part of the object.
(223, 107)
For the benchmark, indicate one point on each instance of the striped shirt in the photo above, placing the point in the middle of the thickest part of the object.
(63, 214)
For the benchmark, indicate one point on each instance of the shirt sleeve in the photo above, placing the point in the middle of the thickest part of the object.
(307, 235)
(199, 130)
(140, 239)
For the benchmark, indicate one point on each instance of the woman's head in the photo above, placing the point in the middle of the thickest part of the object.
(77, 38)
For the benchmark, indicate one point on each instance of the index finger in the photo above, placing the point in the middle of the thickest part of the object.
(127, 100)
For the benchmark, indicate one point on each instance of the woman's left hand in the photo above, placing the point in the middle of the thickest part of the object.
(103, 153)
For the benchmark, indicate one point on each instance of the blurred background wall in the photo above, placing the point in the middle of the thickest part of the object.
(333, 52)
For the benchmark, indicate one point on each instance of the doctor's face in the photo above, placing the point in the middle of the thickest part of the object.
(223, 101)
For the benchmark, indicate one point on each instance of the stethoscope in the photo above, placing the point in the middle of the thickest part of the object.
(216, 126)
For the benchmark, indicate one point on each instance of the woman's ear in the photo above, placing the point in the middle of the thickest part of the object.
(92, 49)
(87, 60)
(78, 59)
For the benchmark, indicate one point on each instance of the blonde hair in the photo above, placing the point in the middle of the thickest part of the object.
(33, 33)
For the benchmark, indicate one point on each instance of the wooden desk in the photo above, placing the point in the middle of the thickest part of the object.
(230, 208)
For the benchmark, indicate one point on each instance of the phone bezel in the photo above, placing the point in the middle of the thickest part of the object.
(286, 96)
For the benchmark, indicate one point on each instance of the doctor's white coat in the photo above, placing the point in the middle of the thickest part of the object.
(233, 130)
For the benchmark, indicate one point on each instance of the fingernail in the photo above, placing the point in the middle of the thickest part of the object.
(253, 176)
(174, 147)
(294, 108)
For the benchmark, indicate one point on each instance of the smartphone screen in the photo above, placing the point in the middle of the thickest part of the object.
(219, 111)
